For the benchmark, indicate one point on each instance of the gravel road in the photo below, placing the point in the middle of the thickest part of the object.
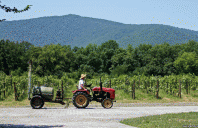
(93, 116)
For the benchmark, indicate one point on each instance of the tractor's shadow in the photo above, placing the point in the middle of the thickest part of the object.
(85, 108)
(66, 108)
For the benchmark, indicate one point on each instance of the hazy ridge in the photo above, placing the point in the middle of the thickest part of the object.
(79, 31)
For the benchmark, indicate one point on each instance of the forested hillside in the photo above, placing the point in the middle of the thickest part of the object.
(80, 31)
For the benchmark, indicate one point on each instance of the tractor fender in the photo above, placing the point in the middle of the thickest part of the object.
(80, 90)
(37, 96)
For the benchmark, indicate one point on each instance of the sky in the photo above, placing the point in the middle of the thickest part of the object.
(177, 13)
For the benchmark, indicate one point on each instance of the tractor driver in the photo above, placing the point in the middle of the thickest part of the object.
(81, 82)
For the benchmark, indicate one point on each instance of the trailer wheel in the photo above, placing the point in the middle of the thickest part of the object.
(37, 102)
(80, 100)
(107, 103)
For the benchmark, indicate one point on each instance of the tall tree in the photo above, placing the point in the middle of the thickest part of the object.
(159, 60)
(107, 50)
(187, 63)
(15, 10)
(13, 56)
(52, 60)
(92, 58)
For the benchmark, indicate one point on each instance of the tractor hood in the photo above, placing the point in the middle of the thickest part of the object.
(104, 89)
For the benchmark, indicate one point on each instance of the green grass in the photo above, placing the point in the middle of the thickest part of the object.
(164, 121)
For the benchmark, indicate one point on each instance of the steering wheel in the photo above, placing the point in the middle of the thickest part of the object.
(89, 85)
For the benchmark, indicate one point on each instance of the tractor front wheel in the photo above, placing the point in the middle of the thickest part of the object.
(107, 103)
(80, 100)
(37, 102)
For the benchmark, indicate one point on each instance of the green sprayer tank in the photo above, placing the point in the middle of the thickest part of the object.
(46, 92)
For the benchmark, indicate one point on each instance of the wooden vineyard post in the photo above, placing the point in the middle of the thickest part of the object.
(189, 86)
(15, 91)
(4, 89)
(139, 83)
(62, 89)
(11, 81)
(133, 90)
(186, 87)
(146, 83)
(0, 91)
(151, 86)
(176, 84)
(147, 87)
(110, 83)
(167, 87)
(179, 94)
(171, 89)
(128, 88)
(157, 89)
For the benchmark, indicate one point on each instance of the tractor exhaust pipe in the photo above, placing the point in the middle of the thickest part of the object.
(29, 80)
(100, 85)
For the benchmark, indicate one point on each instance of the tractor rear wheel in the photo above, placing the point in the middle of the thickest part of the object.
(107, 103)
(80, 100)
(37, 102)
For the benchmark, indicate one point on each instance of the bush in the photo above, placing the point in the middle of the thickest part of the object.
(17, 72)
(120, 69)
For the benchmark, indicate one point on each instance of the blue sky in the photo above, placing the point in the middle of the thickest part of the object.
(178, 13)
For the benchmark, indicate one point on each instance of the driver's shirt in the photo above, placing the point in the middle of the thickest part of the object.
(80, 82)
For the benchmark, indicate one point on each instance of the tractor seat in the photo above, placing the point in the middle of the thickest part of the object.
(85, 88)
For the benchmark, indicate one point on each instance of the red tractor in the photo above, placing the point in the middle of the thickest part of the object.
(105, 96)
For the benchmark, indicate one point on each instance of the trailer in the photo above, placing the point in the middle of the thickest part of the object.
(42, 94)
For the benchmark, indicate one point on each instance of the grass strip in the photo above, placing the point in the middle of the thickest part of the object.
(179, 120)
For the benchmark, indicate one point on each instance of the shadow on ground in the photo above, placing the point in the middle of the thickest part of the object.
(28, 126)
(66, 108)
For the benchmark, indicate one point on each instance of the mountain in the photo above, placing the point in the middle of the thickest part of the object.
(79, 31)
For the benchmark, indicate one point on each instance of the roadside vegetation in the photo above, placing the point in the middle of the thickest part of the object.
(179, 120)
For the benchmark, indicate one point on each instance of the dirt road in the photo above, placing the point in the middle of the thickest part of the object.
(91, 117)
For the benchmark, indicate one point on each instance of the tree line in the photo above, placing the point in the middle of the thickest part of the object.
(109, 58)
